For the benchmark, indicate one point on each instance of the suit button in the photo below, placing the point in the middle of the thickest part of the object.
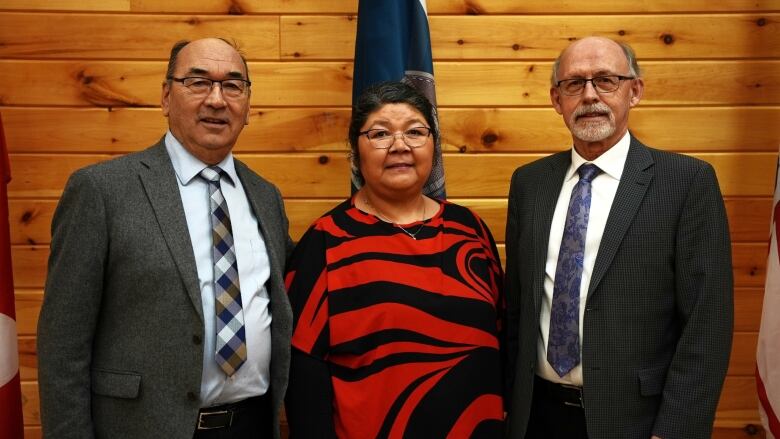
(196, 339)
(192, 396)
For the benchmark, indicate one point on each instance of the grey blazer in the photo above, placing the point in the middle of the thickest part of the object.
(659, 310)
(121, 328)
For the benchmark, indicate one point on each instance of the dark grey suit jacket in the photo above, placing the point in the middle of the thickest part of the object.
(659, 311)
(121, 329)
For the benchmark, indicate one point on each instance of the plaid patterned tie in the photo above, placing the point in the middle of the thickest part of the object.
(563, 346)
(231, 338)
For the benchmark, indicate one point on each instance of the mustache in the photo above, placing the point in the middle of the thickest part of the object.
(598, 107)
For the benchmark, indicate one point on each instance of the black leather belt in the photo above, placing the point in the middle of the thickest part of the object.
(563, 393)
(223, 416)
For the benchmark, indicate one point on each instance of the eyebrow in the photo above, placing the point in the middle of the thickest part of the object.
(202, 71)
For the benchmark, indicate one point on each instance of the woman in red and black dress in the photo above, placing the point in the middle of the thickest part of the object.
(396, 296)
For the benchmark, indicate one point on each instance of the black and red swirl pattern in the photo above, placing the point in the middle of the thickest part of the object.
(408, 327)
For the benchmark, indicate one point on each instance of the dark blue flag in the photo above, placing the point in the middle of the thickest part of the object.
(393, 44)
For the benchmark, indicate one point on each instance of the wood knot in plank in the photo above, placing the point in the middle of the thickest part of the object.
(323, 159)
(27, 217)
(489, 138)
(761, 22)
(193, 21)
(668, 39)
(461, 42)
(462, 149)
(235, 9)
(473, 9)
(516, 46)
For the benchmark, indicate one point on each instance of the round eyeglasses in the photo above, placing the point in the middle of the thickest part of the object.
(602, 84)
(381, 138)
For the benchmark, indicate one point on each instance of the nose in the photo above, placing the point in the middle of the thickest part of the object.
(399, 143)
(215, 98)
(589, 93)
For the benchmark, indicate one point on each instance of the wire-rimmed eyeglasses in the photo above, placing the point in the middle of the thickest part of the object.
(381, 138)
(602, 84)
(232, 88)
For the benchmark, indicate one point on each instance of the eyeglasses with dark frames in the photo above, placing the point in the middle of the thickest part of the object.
(602, 84)
(231, 88)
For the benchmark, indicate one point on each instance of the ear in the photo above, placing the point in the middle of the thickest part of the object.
(555, 98)
(165, 97)
(248, 107)
(637, 89)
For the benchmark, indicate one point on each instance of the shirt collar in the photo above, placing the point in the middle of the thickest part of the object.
(187, 166)
(611, 162)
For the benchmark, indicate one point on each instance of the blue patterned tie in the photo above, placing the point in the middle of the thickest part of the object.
(231, 337)
(563, 346)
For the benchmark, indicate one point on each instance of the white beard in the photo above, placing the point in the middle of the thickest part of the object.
(592, 131)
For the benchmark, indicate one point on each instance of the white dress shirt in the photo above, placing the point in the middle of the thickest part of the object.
(253, 377)
(603, 189)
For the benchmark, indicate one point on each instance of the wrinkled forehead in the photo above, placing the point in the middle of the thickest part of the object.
(210, 58)
(594, 56)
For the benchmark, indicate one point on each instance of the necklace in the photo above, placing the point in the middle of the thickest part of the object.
(378, 213)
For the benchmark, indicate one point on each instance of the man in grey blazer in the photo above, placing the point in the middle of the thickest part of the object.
(165, 314)
(619, 278)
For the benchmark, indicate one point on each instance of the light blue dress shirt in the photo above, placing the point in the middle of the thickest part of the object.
(253, 377)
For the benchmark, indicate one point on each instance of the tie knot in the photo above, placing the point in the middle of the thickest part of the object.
(211, 173)
(588, 172)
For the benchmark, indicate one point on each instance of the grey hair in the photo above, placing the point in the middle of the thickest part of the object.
(633, 64)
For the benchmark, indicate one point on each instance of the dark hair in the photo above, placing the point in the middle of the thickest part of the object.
(179, 45)
(377, 96)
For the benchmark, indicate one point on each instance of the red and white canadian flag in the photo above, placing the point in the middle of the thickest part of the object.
(11, 425)
(768, 354)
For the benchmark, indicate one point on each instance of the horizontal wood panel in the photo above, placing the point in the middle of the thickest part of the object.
(543, 37)
(29, 265)
(31, 218)
(28, 306)
(137, 83)
(467, 7)
(28, 358)
(738, 399)
(326, 175)
(743, 354)
(737, 429)
(691, 129)
(747, 308)
(57, 35)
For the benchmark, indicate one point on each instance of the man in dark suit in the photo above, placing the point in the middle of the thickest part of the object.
(619, 279)
(165, 314)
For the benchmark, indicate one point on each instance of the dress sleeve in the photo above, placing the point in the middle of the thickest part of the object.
(309, 401)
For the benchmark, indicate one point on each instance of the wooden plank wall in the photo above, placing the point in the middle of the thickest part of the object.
(80, 82)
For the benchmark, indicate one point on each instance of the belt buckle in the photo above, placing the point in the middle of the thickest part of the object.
(579, 396)
(202, 416)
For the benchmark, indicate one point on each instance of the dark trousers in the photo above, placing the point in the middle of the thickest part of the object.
(556, 413)
(250, 418)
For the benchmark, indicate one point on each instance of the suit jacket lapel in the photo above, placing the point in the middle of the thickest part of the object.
(548, 189)
(159, 181)
(637, 174)
(265, 219)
